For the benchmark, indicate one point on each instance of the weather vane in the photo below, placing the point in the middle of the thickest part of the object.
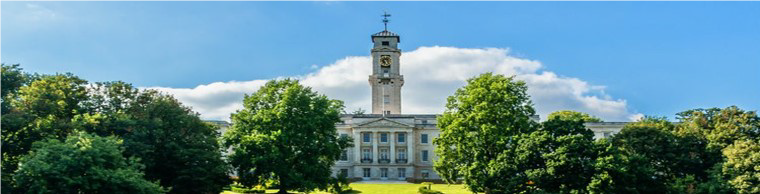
(385, 19)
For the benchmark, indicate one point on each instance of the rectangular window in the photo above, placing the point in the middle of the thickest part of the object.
(384, 137)
(424, 155)
(387, 112)
(366, 137)
(423, 138)
(383, 153)
(401, 172)
(386, 73)
(606, 134)
(424, 122)
(401, 153)
(384, 172)
(386, 43)
(425, 173)
(401, 137)
(344, 155)
(344, 172)
(366, 154)
(367, 173)
(386, 99)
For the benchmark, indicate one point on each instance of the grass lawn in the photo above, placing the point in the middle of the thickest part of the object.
(364, 188)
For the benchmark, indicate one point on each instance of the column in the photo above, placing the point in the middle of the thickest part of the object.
(392, 141)
(410, 152)
(375, 141)
(357, 147)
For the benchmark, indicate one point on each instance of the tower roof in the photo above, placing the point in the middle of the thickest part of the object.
(386, 33)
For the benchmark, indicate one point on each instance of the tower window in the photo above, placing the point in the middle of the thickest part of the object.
(386, 43)
(386, 99)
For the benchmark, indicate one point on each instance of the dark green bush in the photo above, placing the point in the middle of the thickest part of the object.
(426, 190)
(339, 184)
(240, 189)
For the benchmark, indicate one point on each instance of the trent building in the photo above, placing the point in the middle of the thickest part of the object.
(390, 145)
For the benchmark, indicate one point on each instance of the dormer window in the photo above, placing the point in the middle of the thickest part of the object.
(386, 43)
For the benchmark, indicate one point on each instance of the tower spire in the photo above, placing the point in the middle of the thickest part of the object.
(385, 19)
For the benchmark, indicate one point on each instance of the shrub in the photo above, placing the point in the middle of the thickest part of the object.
(240, 189)
(426, 190)
(339, 184)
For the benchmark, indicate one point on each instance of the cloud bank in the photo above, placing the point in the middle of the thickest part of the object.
(431, 75)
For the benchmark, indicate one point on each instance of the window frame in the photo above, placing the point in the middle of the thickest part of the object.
(383, 172)
(366, 172)
(366, 138)
(366, 153)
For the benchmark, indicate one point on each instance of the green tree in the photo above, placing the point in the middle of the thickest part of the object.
(710, 131)
(480, 130)
(720, 127)
(573, 115)
(742, 165)
(82, 164)
(286, 132)
(564, 155)
(660, 159)
(175, 145)
(42, 109)
(615, 172)
(12, 80)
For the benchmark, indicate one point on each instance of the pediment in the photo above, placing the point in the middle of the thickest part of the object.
(384, 123)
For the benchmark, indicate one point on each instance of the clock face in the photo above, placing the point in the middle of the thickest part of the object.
(386, 60)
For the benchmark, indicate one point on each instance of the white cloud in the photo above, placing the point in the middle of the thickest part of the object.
(431, 74)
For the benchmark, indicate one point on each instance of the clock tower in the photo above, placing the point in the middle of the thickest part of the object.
(386, 79)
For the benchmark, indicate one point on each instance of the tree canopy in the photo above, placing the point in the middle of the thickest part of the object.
(82, 164)
(573, 115)
(176, 148)
(175, 145)
(480, 130)
(286, 133)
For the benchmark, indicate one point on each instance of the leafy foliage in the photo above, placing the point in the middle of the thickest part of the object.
(743, 165)
(569, 115)
(286, 132)
(40, 110)
(480, 130)
(82, 164)
(12, 80)
(176, 147)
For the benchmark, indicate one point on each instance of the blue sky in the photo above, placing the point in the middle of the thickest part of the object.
(660, 58)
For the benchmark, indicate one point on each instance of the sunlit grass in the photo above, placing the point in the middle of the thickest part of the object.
(370, 188)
